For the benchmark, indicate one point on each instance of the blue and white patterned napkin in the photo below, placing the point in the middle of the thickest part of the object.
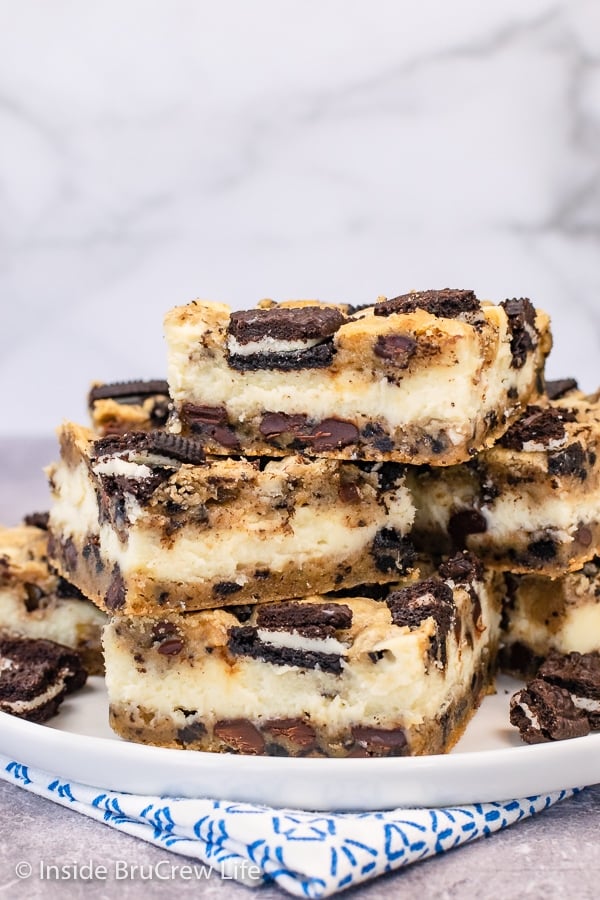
(306, 854)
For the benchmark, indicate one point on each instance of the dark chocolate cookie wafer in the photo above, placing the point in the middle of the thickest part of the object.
(545, 712)
(35, 676)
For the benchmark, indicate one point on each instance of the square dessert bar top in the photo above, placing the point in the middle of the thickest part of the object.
(429, 377)
(532, 502)
(144, 522)
(35, 602)
(311, 677)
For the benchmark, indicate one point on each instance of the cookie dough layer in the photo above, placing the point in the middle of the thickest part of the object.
(531, 503)
(430, 377)
(143, 523)
(314, 677)
(37, 603)
(544, 616)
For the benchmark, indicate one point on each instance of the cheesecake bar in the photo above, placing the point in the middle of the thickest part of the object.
(311, 677)
(35, 602)
(144, 523)
(427, 377)
(542, 616)
(128, 406)
(36, 675)
(532, 502)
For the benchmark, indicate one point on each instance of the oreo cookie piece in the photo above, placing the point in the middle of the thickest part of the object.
(36, 675)
(446, 304)
(151, 447)
(430, 598)
(545, 712)
(285, 324)
(462, 568)
(284, 338)
(579, 674)
(295, 634)
(128, 392)
(37, 520)
(557, 389)
(524, 337)
(538, 429)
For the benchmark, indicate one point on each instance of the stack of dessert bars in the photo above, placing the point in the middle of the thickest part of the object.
(281, 534)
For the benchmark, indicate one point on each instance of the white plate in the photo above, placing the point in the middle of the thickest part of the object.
(489, 763)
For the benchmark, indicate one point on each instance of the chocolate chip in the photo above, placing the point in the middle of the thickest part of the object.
(211, 421)
(397, 349)
(128, 392)
(171, 647)
(240, 735)
(538, 426)
(285, 323)
(545, 712)
(555, 390)
(333, 434)
(295, 731)
(275, 424)
(570, 461)
(117, 592)
(521, 322)
(463, 523)
(447, 303)
(158, 443)
(37, 520)
(391, 552)
(380, 741)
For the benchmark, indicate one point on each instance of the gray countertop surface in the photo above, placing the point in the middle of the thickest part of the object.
(554, 854)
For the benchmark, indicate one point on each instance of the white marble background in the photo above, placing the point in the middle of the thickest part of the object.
(152, 152)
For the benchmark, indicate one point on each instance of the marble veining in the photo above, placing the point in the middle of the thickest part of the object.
(151, 153)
